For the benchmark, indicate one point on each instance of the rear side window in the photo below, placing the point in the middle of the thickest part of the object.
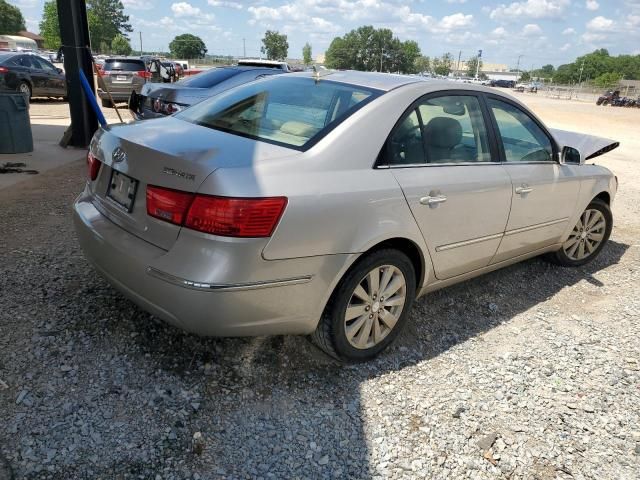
(523, 140)
(290, 111)
(124, 65)
(209, 78)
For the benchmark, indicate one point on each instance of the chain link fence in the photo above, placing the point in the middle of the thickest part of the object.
(586, 92)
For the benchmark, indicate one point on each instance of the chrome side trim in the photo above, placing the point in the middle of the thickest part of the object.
(533, 227)
(473, 241)
(226, 287)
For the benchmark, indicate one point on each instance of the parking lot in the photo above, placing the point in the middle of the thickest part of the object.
(529, 372)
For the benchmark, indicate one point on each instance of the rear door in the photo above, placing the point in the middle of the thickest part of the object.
(444, 158)
(545, 191)
(38, 76)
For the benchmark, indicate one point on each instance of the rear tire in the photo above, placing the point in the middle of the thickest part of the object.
(587, 238)
(358, 321)
(107, 103)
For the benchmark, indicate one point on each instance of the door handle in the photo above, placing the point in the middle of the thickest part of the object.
(433, 200)
(523, 189)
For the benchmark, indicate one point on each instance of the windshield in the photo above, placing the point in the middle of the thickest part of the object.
(291, 111)
(209, 78)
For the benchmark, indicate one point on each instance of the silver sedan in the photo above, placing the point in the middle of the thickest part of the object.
(325, 204)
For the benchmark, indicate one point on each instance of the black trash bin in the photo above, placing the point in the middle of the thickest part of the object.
(15, 125)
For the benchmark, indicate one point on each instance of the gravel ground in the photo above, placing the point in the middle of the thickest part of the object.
(529, 372)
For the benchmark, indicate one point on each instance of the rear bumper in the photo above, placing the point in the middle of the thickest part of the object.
(282, 304)
(119, 94)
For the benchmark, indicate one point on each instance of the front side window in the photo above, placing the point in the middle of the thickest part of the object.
(523, 140)
(445, 129)
(454, 130)
(290, 111)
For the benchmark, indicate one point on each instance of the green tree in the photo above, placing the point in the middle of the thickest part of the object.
(187, 46)
(525, 76)
(442, 65)
(370, 49)
(306, 54)
(275, 45)
(120, 45)
(49, 26)
(106, 20)
(11, 19)
(422, 64)
(472, 66)
(610, 79)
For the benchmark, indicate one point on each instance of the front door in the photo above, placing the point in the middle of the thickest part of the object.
(545, 192)
(460, 197)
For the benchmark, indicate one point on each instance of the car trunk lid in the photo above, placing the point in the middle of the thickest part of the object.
(165, 152)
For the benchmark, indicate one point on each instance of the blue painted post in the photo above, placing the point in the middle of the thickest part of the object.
(92, 99)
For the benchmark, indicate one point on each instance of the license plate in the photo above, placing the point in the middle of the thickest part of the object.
(121, 78)
(122, 190)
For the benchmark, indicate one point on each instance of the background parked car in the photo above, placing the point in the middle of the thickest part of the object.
(503, 83)
(121, 76)
(160, 99)
(31, 74)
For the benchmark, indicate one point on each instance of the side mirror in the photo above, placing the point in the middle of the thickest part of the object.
(59, 70)
(571, 156)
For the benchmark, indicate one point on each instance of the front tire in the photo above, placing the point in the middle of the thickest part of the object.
(588, 237)
(25, 89)
(368, 308)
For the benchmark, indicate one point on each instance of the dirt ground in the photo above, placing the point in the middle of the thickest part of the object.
(530, 372)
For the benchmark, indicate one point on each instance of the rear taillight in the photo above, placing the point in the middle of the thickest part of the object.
(93, 165)
(4, 69)
(144, 74)
(235, 217)
(168, 205)
(224, 216)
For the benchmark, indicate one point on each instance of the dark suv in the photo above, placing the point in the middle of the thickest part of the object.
(32, 75)
(121, 76)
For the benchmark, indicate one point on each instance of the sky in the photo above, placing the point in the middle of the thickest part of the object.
(537, 32)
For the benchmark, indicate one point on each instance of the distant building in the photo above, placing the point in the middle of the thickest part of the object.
(493, 71)
(33, 36)
(15, 42)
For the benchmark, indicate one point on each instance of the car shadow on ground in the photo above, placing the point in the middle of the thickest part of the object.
(278, 405)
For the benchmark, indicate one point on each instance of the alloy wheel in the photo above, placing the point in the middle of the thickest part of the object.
(375, 306)
(586, 236)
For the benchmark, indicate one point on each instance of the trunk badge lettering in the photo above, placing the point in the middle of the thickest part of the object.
(178, 173)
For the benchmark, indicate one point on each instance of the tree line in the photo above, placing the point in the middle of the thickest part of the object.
(598, 67)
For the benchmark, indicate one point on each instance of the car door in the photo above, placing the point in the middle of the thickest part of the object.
(55, 80)
(444, 158)
(545, 191)
(37, 75)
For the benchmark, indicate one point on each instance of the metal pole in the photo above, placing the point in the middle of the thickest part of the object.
(518, 66)
(581, 69)
(458, 64)
(140, 43)
(76, 45)
(477, 66)
(381, 54)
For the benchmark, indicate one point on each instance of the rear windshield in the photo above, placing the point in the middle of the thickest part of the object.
(291, 111)
(124, 65)
(5, 56)
(209, 78)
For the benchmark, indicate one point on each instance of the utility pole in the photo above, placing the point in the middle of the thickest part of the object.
(478, 63)
(458, 64)
(244, 48)
(140, 43)
(581, 70)
(518, 66)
